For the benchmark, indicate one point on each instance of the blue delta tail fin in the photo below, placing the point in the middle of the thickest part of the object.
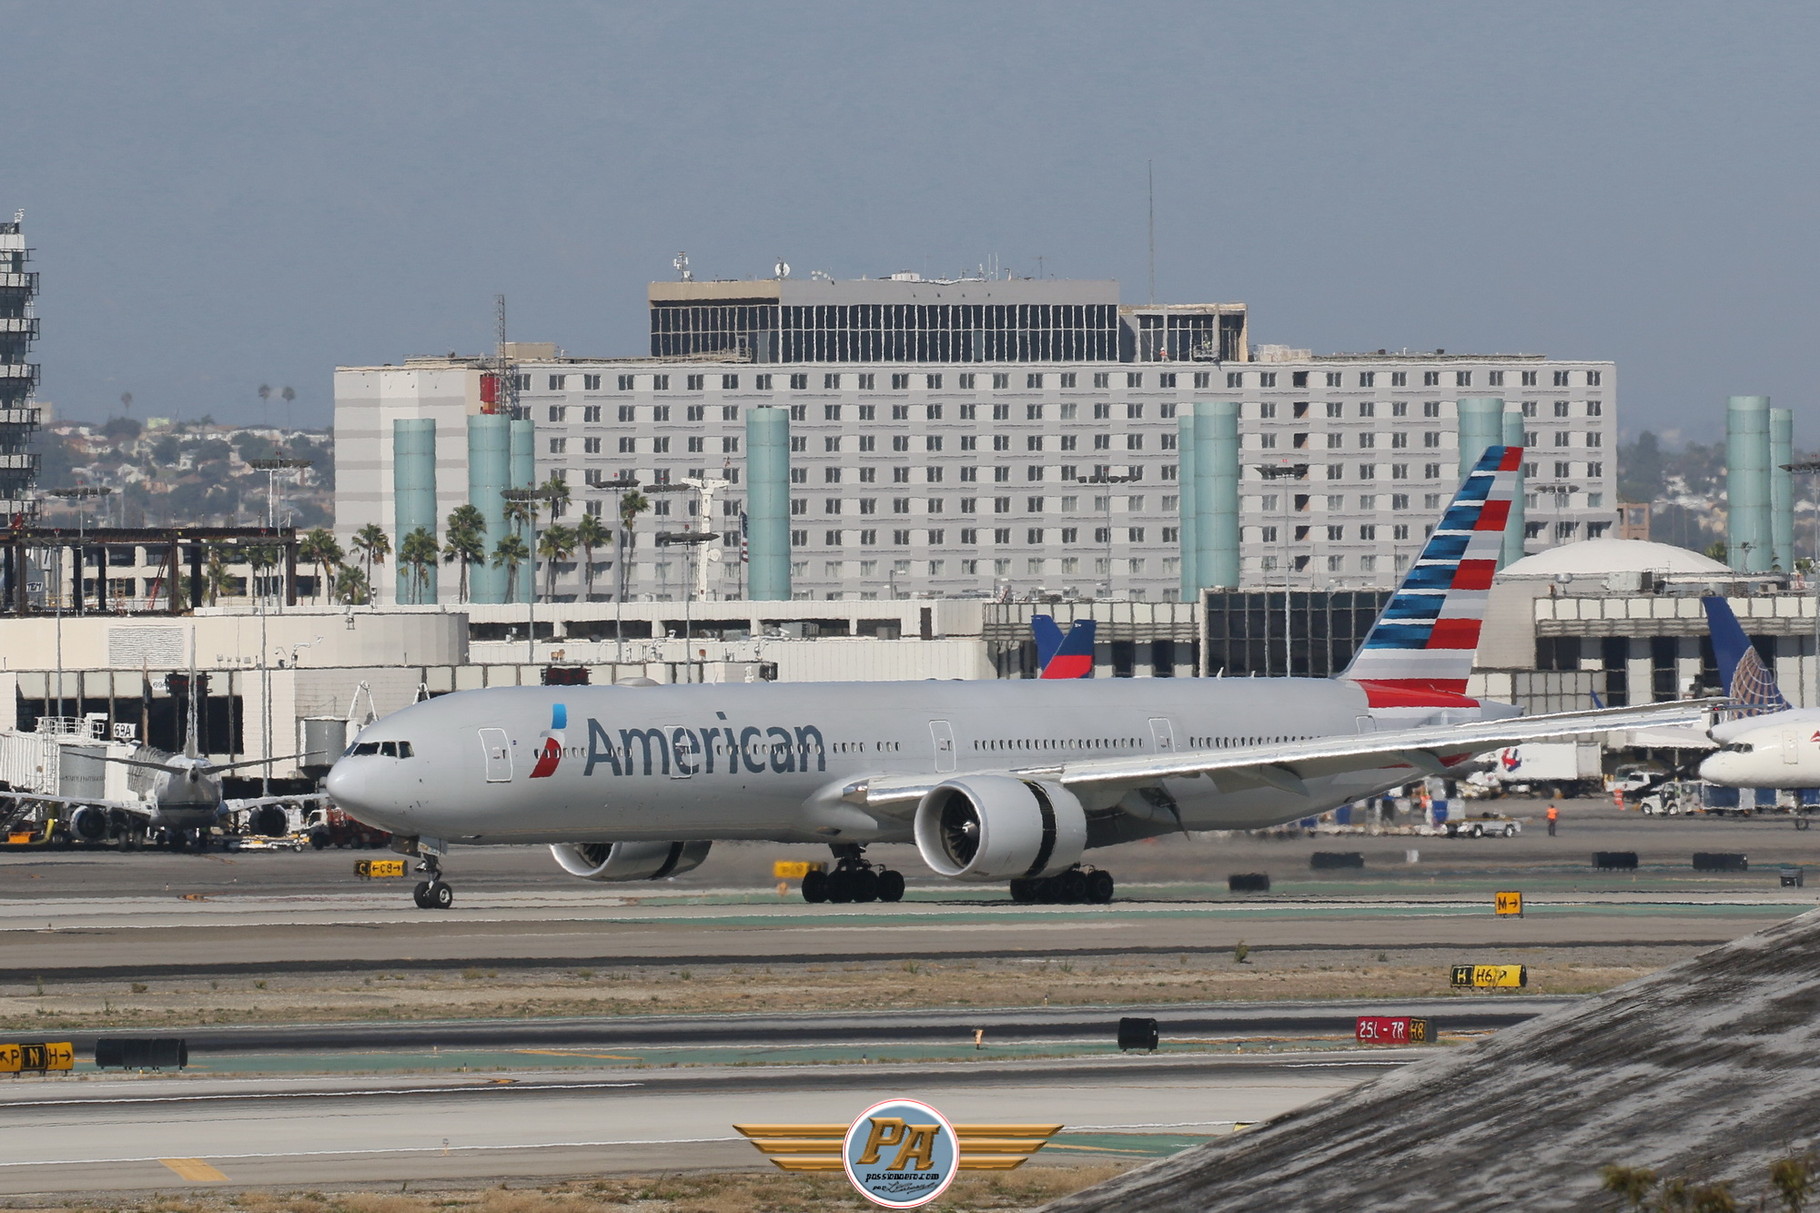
(1746, 681)
(1059, 656)
(1423, 643)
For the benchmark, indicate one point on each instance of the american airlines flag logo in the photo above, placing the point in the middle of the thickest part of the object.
(549, 746)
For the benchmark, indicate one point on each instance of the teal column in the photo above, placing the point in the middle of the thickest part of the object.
(489, 473)
(1517, 527)
(524, 476)
(1216, 493)
(768, 503)
(1481, 421)
(1781, 489)
(1747, 483)
(1187, 535)
(413, 499)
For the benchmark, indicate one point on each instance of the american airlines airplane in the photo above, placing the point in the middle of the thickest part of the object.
(993, 780)
(1763, 742)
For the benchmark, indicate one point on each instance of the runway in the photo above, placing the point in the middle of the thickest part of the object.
(606, 1087)
(127, 1134)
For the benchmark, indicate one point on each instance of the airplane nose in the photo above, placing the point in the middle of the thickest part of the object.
(345, 786)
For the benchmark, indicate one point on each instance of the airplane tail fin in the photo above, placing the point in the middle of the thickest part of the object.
(1069, 656)
(1421, 648)
(1746, 681)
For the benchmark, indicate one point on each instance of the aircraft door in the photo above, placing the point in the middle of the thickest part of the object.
(1791, 751)
(942, 733)
(1163, 733)
(498, 749)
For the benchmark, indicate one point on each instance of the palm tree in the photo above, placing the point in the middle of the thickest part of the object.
(351, 588)
(260, 557)
(557, 543)
(418, 552)
(465, 542)
(555, 490)
(287, 395)
(590, 534)
(321, 549)
(508, 554)
(215, 575)
(631, 505)
(265, 400)
(520, 511)
(372, 545)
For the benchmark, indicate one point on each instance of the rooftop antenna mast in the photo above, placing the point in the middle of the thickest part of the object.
(506, 371)
(1150, 174)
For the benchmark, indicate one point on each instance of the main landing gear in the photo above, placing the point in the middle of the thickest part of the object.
(854, 878)
(1092, 886)
(432, 893)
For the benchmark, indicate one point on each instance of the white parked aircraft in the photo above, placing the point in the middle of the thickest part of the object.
(178, 794)
(993, 781)
(1763, 743)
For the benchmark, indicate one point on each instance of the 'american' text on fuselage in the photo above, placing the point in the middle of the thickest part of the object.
(684, 751)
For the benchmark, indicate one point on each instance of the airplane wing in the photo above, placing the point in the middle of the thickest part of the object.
(141, 808)
(1430, 750)
(255, 802)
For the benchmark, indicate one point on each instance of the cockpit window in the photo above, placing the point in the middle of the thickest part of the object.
(387, 749)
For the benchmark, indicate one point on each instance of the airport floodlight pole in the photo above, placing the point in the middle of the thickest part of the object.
(1104, 478)
(1810, 468)
(271, 468)
(694, 540)
(1274, 472)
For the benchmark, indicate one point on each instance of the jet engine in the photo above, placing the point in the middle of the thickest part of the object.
(89, 823)
(629, 860)
(995, 827)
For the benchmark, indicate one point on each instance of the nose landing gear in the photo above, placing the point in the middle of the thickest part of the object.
(853, 879)
(432, 893)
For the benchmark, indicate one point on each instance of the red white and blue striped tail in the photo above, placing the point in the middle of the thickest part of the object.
(1420, 651)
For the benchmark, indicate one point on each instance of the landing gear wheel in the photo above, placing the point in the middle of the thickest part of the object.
(433, 895)
(840, 887)
(815, 887)
(1023, 890)
(1099, 887)
(864, 885)
(1072, 886)
(890, 886)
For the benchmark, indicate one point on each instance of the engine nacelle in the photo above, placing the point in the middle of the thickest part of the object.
(269, 821)
(995, 827)
(629, 860)
(89, 823)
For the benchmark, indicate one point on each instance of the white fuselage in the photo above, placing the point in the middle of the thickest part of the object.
(1779, 750)
(780, 761)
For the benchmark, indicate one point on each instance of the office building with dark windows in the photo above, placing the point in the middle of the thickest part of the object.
(987, 438)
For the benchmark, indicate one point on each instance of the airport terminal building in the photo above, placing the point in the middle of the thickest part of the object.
(984, 437)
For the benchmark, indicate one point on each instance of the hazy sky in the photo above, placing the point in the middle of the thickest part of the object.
(228, 194)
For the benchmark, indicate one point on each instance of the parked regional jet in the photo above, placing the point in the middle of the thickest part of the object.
(1763, 743)
(992, 780)
(1059, 656)
(179, 794)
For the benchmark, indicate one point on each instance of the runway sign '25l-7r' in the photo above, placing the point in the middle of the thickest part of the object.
(1391, 1030)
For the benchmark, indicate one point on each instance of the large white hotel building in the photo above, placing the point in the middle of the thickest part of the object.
(989, 437)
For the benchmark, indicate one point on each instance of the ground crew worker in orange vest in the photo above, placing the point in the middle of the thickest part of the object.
(1553, 815)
